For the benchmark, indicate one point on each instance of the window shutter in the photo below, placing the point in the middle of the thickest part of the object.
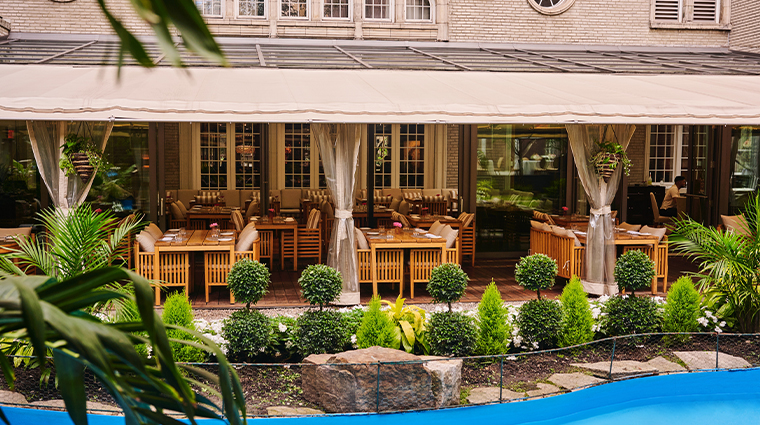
(705, 10)
(667, 10)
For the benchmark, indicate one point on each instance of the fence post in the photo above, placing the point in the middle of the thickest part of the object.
(377, 396)
(717, 348)
(612, 359)
(501, 376)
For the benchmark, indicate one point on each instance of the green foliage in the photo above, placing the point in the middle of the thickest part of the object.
(729, 266)
(177, 311)
(451, 334)
(281, 346)
(577, 321)
(319, 332)
(352, 320)
(410, 326)
(74, 143)
(248, 281)
(539, 323)
(377, 329)
(630, 315)
(494, 331)
(447, 283)
(611, 154)
(536, 272)
(320, 284)
(247, 334)
(634, 270)
(682, 307)
(47, 312)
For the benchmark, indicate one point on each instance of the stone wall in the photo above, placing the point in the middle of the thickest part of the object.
(171, 155)
(637, 154)
(745, 18)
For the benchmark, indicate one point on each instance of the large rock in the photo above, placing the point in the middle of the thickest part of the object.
(349, 382)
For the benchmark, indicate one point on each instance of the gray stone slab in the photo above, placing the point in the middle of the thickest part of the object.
(92, 407)
(543, 389)
(292, 411)
(620, 369)
(12, 397)
(664, 365)
(483, 395)
(571, 381)
(706, 360)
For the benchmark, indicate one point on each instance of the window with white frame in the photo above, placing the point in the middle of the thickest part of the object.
(213, 156)
(670, 150)
(383, 155)
(253, 8)
(418, 10)
(248, 155)
(412, 156)
(210, 8)
(297, 155)
(687, 11)
(294, 8)
(377, 9)
(336, 9)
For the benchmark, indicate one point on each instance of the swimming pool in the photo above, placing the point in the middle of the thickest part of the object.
(704, 398)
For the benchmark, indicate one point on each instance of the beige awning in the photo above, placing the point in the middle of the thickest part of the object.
(48, 92)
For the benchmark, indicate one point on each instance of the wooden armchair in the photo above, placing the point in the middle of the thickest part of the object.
(389, 266)
(436, 207)
(466, 239)
(423, 261)
(540, 242)
(569, 257)
(217, 265)
(174, 269)
(266, 245)
(309, 241)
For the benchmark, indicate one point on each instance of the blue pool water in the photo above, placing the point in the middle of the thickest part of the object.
(706, 398)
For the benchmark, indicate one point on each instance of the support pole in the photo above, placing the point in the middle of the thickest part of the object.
(371, 152)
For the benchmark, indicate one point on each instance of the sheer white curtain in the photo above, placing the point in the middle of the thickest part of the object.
(600, 244)
(47, 138)
(339, 148)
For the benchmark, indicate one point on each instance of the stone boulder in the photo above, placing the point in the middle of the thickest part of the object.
(348, 382)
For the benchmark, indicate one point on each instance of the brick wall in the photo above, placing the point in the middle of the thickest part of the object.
(79, 17)
(587, 21)
(745, 18)
(637, 154)
(452, 156)
(5, 27)
(171, 155)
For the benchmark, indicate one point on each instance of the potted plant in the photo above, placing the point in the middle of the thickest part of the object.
(608, 157)
(80, 156)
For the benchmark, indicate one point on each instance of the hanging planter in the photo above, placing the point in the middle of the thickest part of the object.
(607, 159)
(79, 156)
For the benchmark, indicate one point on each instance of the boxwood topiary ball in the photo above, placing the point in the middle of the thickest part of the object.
(634, 270)
(248, 281)
(320, 284)
(536, 272)
(447, 283)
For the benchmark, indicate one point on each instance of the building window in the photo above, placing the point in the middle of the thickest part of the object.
(294, 8)
(377, 9)
(551, 7)
(383, 155)
(251, 8)
(213, 156)
(670, 150)
(688, 11)
(210, 8)
(418, 10)
(337, 9)
(297, 155)
(662, 141)
(247, 156)
(412, 156)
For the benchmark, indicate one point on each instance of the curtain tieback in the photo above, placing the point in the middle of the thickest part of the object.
(601, 211)
(344, 214)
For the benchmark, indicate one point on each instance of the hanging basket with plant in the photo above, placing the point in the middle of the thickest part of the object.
(80, 156)
(608, 157)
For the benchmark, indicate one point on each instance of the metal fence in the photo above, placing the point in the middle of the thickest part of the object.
(430, 383)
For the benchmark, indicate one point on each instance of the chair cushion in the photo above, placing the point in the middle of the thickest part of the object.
(403, 208)
(186, 195)
(436, 228)
(468, 220)
(176, 212)
(536, 224)
(291, 198)
(237, 220)
(361, 241)
(736, 223)
(246, 239)
(394, 192)
(571, 234)
(327, 209)
(313, 221)
(252, 208)
(654, 231)
(450, 235)
(431, 192)
(154, 231)
(395, 204)
(15, 231)
(559, 231)
(146, 241)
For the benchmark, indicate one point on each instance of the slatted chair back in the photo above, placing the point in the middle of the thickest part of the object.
(467, 238)
(659, 254)
(217, 265)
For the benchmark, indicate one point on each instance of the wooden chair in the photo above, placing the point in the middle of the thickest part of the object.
(467, 241)
(217, 266)
(658, 219)
(659, 254)
(174, 270)
(327, 227)
(266, 245)
(389, 266)
(540, 242)
(310, 237)
(437, 207)
(568, 256)
(423, 261)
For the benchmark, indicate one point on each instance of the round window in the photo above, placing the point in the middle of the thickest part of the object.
(551, 7)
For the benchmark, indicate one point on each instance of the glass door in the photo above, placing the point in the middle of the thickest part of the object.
(745, 151)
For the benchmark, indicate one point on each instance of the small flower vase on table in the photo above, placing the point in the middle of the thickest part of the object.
(397, 227)
(270, 214)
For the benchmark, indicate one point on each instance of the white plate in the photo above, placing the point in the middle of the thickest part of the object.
(373, 233)
(290, 219)
(414, 216)
(432, 236)
(364, 228)
(418, 230)
(172, 231)
(448, 217)
(227, 233)
(166, 239)
(225, 239)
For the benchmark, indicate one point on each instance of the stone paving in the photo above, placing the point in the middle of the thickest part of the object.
(706, 360)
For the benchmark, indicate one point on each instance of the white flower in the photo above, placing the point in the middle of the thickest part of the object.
(282, 327)
(353, 339)
(718, 330)
(511, 358)
(702, 321)
(535, 345)
(596, 312)
(603, 299)
(722, 324)
(262, 349)
(288, 344)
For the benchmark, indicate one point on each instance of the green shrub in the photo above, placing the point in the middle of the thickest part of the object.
(451, 334)
(248, 281)
(577, 321)
(409, 321)
(376, 328)
(281, 336)
(682, 307)
(634, 270)
(320, 284)
(447, 283)
(536, 272)
(539, 323)
(247, 334)
(494, 330)
(177, 311)
(630, 315)
(319, 332)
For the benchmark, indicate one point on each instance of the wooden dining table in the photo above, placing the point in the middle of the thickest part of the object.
(424, 222)
(625, 238)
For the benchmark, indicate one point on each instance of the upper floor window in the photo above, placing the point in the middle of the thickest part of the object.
(699, 12)
(377, 9)
(211, 8)
(294, 8)
(251, 8)
(336, 9)
(418, 10)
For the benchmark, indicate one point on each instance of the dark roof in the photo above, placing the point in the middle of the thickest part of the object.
(60, 49)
